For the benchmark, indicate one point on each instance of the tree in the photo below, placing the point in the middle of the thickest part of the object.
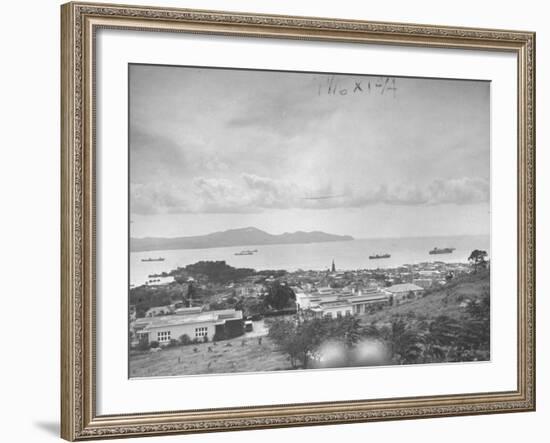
(404, 342)
(144, 298)
(252, 306)
(279, 296)
(480, 309)
(475, 335)
(284, 334)
(218, 271)
(442, 334)
(347, 329)
(478, 259)
(310, 335)
(303, 341)
(371, 331)
(300, 341)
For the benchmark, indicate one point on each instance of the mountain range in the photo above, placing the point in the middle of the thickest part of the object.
(233, 237)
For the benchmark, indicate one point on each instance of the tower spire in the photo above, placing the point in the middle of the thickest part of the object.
(333, 266)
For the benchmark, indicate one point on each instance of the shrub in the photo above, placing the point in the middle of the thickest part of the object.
(205, 339)
(143, 345)
(185, 340)
(154, 344)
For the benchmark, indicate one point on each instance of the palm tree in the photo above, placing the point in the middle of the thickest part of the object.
(372, 331)
(404, 342)
(442, 335)
(349, 330)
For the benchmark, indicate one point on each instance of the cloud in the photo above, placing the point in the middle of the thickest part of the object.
(253, 193)
(460, 191)
(154, 198)
(152, 156)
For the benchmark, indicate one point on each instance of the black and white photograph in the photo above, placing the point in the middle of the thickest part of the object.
(285, 220)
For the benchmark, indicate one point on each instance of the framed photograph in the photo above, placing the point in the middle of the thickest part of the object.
(277, 221)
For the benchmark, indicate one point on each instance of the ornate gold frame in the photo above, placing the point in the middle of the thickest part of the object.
(79, 21)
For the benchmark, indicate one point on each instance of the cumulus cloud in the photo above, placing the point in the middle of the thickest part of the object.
(464, 190)
(252, 193)
(461, 191)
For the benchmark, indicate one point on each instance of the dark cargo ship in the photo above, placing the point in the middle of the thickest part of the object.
(441, 251)
(377, 256)
(247, 252)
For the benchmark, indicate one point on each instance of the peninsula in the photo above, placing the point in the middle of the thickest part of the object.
(233, 237)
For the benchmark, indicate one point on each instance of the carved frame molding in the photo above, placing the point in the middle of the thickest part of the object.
(80, 21)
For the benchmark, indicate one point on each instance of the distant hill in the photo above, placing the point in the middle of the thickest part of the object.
(233, 237)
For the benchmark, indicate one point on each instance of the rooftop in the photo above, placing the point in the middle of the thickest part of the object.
(202, 317)
(187, 311)
(404, 287)
(334, 304)
(368, 297)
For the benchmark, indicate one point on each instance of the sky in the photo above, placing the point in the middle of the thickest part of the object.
(367, 156)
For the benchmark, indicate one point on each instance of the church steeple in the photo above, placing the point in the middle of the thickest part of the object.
(333, 268)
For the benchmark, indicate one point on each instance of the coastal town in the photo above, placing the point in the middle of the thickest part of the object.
(323, 220)
(210, 317)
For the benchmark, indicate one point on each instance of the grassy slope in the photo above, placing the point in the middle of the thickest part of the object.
(445, 301)
(251, 357)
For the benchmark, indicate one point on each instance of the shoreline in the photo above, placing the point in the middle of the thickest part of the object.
(410, 266)
(348, 255)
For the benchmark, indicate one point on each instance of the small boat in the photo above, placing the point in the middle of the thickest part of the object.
(377, 256)
(441, 251)
(153, 259)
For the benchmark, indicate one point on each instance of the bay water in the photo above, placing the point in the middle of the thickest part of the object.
(347, 255)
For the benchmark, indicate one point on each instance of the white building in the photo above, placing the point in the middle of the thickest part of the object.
(193, 324)
(336, 308)
(404, 292)
(338, 302)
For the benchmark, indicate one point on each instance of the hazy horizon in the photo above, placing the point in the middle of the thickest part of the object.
(366, 156)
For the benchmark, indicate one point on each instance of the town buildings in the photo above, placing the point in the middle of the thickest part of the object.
(319, 293)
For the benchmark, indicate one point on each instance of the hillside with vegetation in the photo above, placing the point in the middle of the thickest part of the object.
(449, 300)
(449, 324)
